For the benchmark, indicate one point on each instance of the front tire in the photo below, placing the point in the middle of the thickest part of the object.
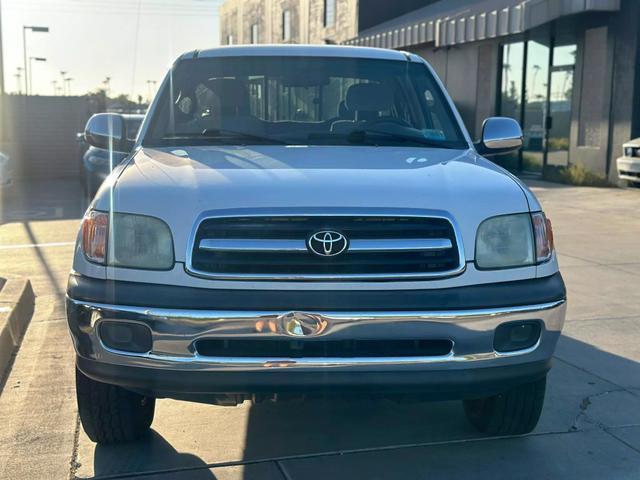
(111, 414)
(514, 412)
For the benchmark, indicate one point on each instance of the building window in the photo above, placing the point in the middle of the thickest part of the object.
(229, 39)
(286, 25)
(329, 13)
(254, 33)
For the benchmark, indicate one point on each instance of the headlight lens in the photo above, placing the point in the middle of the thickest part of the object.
(505, 241)
(137, 241)
(133, 241)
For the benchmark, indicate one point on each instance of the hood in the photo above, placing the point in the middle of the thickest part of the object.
(179, 184)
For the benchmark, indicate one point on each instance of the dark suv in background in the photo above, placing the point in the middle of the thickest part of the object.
(97, 163)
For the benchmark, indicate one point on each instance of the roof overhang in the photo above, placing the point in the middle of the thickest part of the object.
(473, 21)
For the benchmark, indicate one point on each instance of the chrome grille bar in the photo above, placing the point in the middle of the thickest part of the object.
(252, 245)
(400, 245)
(356, 245)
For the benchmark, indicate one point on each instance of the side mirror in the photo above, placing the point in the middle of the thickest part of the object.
(499, 135)
(108, 131)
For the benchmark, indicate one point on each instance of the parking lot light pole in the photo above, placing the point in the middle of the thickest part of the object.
(62, 84)
(67, 82)
(107, 86)
(31, 60)
(151, 86)
(18, 75)
(24, 52)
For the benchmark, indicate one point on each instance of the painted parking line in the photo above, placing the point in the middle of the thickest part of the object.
(36, 245)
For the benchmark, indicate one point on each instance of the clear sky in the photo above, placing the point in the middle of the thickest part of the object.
(93, 39)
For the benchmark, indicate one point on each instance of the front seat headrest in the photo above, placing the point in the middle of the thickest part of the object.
(343, 111)
(232, 95)
(369, 97)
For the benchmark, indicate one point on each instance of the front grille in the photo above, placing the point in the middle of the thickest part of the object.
(301, 263)
(294, 348)
(630, 174)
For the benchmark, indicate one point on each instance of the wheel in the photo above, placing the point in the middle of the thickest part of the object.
(514, 412)
(111, 414)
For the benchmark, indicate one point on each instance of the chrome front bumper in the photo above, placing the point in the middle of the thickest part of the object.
(174, 333)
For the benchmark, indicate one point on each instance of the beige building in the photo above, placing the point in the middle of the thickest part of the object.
(288, 21)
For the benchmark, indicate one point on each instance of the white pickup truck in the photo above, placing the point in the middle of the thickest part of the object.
(629, 163)
(310, 220)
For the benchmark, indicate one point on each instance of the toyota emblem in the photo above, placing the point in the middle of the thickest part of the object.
(327, 243)
(300, 324)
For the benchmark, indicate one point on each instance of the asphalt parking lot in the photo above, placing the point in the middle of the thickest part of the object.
(590, 427)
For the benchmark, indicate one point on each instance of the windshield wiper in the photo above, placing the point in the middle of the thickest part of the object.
(361, 135)
(221, 134)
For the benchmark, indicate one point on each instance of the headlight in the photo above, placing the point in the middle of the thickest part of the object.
(95, 228)
(505, 241)
(133, 241)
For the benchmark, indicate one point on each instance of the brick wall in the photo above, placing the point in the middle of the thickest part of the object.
(307, 21)
(346, 25)
(254, 12)
(277, 8)
(229, 26)
(40, 135)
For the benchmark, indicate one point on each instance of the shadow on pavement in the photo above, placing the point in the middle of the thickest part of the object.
(385, 439)
(144, 455)
(59, 199)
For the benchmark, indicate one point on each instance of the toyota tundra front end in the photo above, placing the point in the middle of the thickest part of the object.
(310, 220)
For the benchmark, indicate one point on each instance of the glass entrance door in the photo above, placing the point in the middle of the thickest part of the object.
(559, 106)
(536, 90)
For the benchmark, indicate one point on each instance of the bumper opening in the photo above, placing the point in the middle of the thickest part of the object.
(310, 348)
(514, 336)
(126, 337)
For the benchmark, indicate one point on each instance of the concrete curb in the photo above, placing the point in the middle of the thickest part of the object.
(17, 301)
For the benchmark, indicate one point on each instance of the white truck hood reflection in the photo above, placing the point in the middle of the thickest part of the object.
(178, 184)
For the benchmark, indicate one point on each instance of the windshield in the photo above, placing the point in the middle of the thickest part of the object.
(303, 101)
